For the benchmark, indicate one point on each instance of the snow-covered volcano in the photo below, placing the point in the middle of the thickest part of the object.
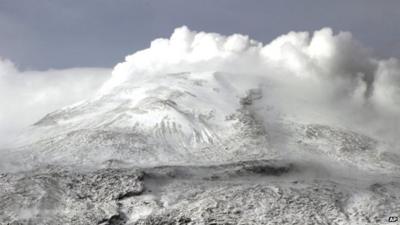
(187, 118)
(288, 125)
(181, 118)
(201, 98)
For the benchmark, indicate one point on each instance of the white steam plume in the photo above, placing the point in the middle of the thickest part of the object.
(325, 74)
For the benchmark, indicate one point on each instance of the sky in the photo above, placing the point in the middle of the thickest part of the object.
(43, 34)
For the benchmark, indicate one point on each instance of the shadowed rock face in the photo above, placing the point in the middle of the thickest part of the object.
(248, 192)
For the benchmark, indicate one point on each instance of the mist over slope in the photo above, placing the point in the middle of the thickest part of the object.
(26, 96)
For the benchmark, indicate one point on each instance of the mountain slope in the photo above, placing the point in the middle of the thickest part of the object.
(188, 118)
(173, 118)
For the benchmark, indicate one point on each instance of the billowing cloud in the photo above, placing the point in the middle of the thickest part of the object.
(322, 77)
(26, 96)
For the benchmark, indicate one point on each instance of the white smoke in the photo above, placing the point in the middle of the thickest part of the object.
(26, 96)
(320, 77)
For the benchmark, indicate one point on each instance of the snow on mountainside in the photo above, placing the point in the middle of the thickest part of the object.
(168, 119)
(207, 129)
(186, 118)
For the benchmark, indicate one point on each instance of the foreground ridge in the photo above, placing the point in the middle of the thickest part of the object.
(250, 192)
